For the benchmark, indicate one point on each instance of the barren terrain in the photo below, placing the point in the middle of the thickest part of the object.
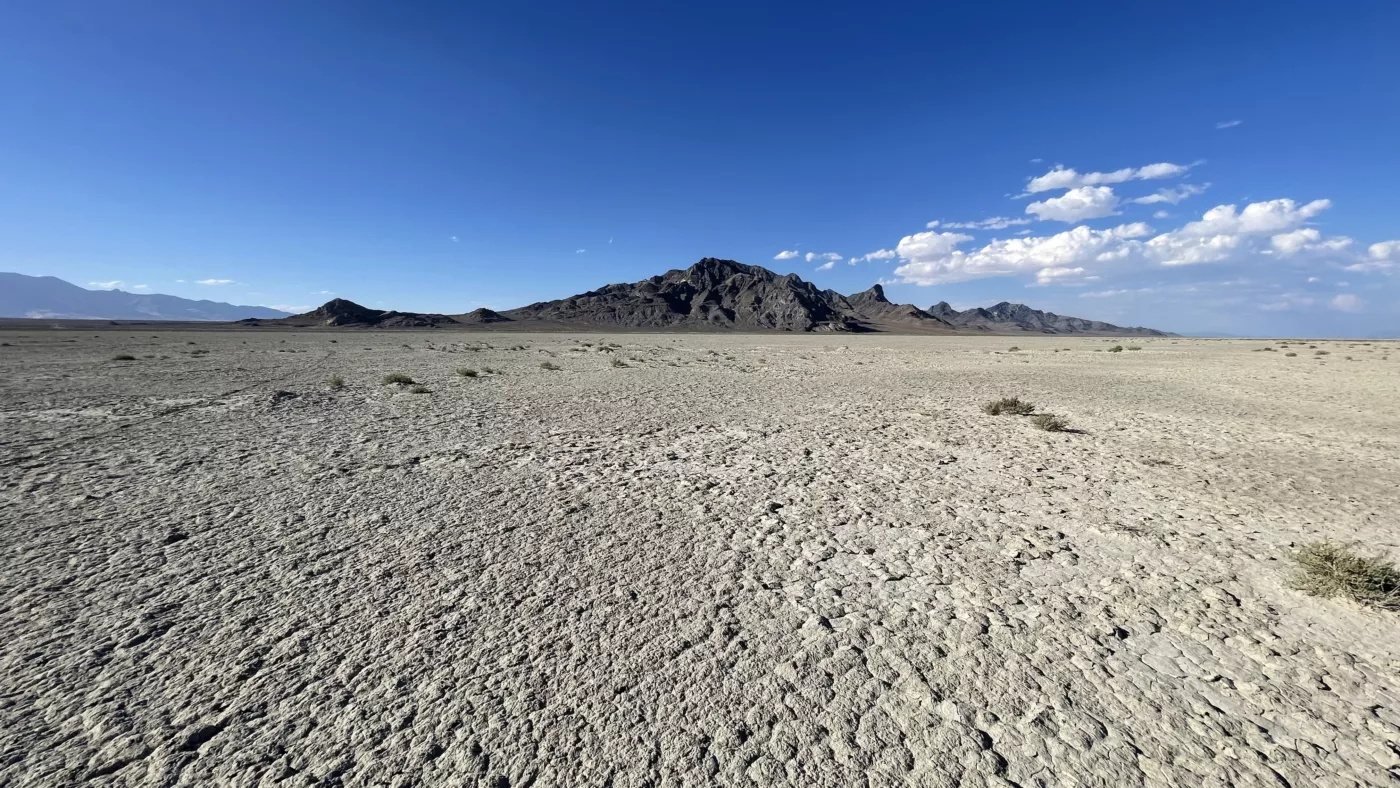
(688, 560)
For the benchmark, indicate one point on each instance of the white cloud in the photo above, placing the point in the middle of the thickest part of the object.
(994, 223)
(1381, 257)
(826, 266)
(140, 287)
(1287, 302)
(1172, 196)
(322, 292)
(580, 251)
(1062, 275)
(112, 285)
(1224, 231)
(813, 256)
(1068, 178)
(1228, 124)
(1037, 160)
(1312, 279)
(932, 258)
(878, 254)
(454, 239)
(1307, 239)
(215, 282)
(1161, 215)
(294, 308)
(786, 255)
(1116, 293)
(1345, 302)
(1076, 205)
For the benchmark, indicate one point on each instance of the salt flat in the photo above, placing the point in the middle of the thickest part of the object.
(768, 559)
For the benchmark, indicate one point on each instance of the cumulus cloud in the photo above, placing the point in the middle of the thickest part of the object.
(1062, 177)
(215, 282)
(1228, 124)
(112, 285)
(1172, 196)
(1062, 275)
(1225, 231)
(1380, 257)
(1076, 205)
(1307, 239)
(812, 257)
(580, 251)
(826, 266)
(786, 255)
(1345, 302)
(933, 258)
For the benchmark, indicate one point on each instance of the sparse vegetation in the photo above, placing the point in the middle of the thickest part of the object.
(397, 379)
(1134, 347)
(336, 382)
(1320, 353)
(1050, 423)
(1328, 569)
(1012, 406)
(1290, 355)
(617, 362)
(417, 389)
(1012, 349)
(1116, 349)
(123, 357)
(466, 372)
(549, 365)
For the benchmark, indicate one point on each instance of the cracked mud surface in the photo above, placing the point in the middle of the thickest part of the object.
(768, 560)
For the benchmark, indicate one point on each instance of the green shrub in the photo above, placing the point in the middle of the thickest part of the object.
(1290, 355)
(397, 379)
(1008, 406)
(1320, 353)
(1327, 569)
(1116, 349)
(1050, 423)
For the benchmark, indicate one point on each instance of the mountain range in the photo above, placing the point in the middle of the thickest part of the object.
(711, 295)
(51, 297)
(724, 294)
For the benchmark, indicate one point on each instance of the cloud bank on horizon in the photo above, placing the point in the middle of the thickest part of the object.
(1276, 235)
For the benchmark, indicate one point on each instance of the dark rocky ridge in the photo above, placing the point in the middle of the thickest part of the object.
(1008, 317)
(722, 294)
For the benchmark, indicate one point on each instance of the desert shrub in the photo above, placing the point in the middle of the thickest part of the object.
(1116, 349)
(1134, 347)
(617, 362)
(336, 382)
(123, 357)
(1320, 353)
(1290, 355)
(490, 371)
(397, 379)
(550, 365)
(466, 372)
(1327, 569)
(416, 389)
(1012, 349)
(1050, 423)
(1008, 406)
(1269, 350)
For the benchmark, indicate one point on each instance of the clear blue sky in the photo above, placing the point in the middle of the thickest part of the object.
(443, 156)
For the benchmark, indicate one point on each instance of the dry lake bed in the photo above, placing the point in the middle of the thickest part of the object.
(689, 560)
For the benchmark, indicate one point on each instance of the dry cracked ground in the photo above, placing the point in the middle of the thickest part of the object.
(688, 560)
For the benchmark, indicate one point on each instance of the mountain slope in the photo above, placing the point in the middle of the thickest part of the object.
(344, 313)
(717, 293)
(1007, 317)
(51, 297)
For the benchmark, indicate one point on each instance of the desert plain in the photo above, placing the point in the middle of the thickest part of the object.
(689, 559)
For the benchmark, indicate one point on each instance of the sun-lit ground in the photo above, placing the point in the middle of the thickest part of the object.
(689, 559)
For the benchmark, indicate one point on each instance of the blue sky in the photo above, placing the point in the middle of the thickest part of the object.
(443, 156)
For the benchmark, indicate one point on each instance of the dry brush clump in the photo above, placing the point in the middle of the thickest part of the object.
(1050, 423)
(1328, 569)
(549, 365)
(1008, 406)
(336, 382)
(1116, 349)
(397, 379)
(466, 372)
(123, 357)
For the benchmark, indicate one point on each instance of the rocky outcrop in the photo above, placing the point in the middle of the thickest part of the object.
(1007, 317)
(340, 312)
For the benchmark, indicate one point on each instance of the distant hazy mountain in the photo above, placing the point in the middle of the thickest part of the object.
(1007, 317)
(47, 296)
